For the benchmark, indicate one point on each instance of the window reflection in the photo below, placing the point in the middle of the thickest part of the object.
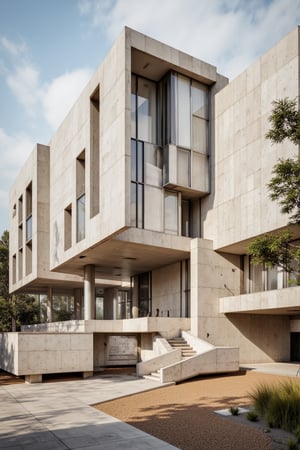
(81, 218)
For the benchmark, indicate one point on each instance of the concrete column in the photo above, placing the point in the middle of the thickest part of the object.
(135, 299)
(89, 292)
(115, 305)
(77, 303)
(49, 304)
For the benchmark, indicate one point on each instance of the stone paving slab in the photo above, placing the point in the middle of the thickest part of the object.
(58, 416)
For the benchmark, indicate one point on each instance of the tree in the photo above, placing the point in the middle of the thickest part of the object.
(4, 266)
(284, 187)
(15, 310)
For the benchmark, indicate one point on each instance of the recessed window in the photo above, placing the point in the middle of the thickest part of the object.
(29, 212)
(80, 193)
(68, 226)
(80, 225)
(171, 212)
(95, 152)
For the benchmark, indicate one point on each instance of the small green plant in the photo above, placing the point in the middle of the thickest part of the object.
(292, 444)
(252, 416)
(234, 410)
(297, 433)
(261, 398)
(279, 404)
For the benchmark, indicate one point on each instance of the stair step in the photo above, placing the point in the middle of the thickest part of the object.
(186, 350)
(153, 376)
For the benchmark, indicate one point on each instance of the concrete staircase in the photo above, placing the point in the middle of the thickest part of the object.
(155, 376)
(186, 350)
(188, 356)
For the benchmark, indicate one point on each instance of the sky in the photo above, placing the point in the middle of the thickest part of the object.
(49, 50)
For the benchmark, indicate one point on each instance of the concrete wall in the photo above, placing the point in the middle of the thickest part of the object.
(71, 138)
(166, 294)
(261, 338)
(244, 158)
(213, 275)
(34, 262)
(41, 353)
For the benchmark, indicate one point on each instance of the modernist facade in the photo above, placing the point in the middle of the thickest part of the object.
(140, 208)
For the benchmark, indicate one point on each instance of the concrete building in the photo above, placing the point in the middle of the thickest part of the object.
(139, 211)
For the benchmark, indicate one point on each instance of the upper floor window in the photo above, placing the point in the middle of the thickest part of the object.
(183, 112)
(29, 212)
(80, 196)
(143, 109)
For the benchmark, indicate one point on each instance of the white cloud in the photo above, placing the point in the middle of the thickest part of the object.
(13, 48)
(61, 93)
(25, 86)
(227, 33)
(51, 100)
(14, 151)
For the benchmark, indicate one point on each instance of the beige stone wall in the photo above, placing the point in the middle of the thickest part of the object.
(35, 257)
(72, 137)
(260, 338)
(166, 294)
(40, 353)
(244, 159)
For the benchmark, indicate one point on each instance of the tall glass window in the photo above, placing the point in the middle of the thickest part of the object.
(171, 212)
(183, 112)
(183, 109)
(137, 184)
(199, 105)
(143, 109)
(80, 218)
(80, 194)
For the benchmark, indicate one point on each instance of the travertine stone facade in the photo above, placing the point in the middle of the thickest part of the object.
(141, 206)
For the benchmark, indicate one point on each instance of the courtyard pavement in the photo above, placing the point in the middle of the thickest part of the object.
(58, 415)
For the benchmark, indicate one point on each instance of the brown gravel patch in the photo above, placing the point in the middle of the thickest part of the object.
(183, 414)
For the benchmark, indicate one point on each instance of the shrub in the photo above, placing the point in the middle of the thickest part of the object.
(261, 398)
(252, 416)
(280, 405)
(297, 433)
(234, 410)
(292, 444)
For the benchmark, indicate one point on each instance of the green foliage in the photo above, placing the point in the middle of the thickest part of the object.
(297, 433)
(292, 444)
(261, 398)
(234, 410)
(4, 266)
(5, 315)
(252, 416)
(279, 404)
(25, 310)
(285, 121)
(15, 310)
(276, 250)
(284, 187)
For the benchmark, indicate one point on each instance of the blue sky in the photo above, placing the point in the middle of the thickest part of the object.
(49, 49)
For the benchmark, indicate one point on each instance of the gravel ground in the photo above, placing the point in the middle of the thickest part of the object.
(184, 416)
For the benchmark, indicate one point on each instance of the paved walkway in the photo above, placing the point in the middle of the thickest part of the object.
(286, 369)
(57, 416)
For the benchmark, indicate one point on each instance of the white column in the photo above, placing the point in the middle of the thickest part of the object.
(89, 292)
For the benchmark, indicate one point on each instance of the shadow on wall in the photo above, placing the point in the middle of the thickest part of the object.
(268, 337)
(7, 354)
